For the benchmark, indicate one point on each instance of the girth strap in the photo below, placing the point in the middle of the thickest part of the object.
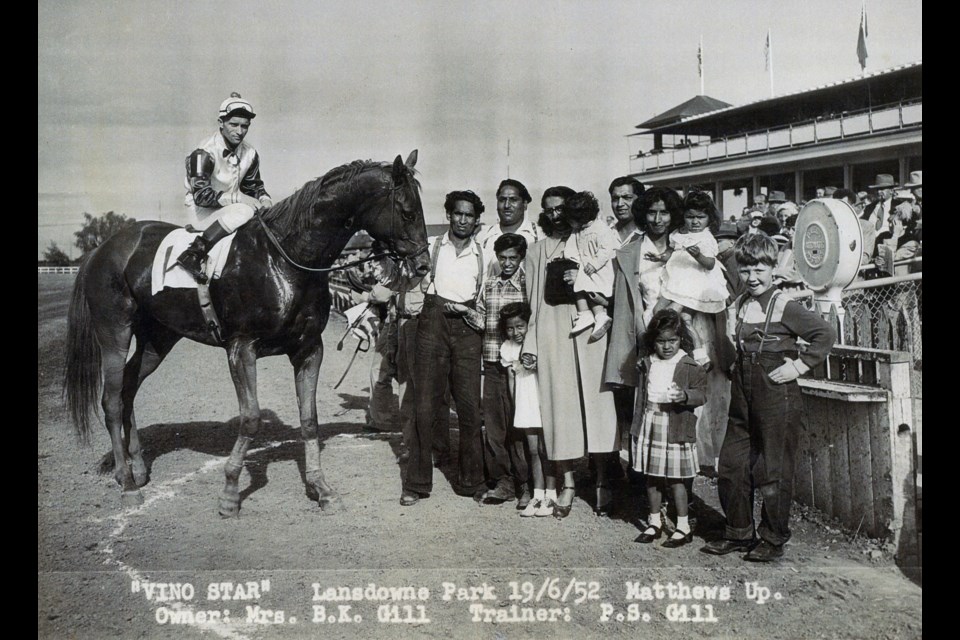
(209, 315)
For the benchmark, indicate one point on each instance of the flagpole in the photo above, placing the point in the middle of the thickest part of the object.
(770, 60)
(700, 58)
(508, 157)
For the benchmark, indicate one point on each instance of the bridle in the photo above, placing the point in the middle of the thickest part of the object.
(375, 256)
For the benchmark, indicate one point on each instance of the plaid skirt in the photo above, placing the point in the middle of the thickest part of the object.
(654, 456)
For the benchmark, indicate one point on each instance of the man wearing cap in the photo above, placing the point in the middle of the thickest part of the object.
(915, 184)
(878, 212)
(223, 183)
(774, 200)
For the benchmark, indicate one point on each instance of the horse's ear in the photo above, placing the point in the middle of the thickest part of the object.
(398, 170)
(411, 159)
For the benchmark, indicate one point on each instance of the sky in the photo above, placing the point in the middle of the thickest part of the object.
(127, 88)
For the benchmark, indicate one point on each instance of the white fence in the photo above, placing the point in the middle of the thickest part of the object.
(42, 270)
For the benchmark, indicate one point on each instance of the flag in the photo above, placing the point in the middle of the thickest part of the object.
(862, 39)
(766, 53)
(700, 59)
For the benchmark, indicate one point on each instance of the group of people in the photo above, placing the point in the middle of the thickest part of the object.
(552, 339)
(559, 337)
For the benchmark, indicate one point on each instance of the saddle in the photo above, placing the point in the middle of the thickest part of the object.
(166, 273)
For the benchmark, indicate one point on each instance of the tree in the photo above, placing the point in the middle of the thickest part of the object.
(95, 231)
(55, 257)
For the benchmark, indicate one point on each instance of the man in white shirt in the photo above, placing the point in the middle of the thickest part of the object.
(448, 352)
(623, 192)
(512, 201)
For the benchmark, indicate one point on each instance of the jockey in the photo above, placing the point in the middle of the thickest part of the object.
(223, 183)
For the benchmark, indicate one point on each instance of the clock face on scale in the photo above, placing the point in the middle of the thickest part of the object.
(827, 244)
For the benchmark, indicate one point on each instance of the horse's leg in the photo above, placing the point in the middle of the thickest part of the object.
(150, 352)
(242, 357)
(307, 371)
(114, 346)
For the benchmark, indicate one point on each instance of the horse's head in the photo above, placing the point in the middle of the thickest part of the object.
(396, 220)
(317, 221)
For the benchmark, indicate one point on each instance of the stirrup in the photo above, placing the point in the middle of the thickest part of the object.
(192, 260)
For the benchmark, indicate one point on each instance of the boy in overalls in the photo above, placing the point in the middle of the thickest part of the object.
(760, 445)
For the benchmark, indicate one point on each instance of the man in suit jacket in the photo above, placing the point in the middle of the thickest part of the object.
(879, 210)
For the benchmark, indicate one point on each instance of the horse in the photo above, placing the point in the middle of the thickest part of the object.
(272, 298)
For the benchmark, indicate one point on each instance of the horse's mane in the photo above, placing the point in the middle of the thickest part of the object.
(294, 214)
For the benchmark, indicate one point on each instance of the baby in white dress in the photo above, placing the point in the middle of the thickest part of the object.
(593, 245)
(692, 278)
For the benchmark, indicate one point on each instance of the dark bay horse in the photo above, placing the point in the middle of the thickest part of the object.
(267, 300)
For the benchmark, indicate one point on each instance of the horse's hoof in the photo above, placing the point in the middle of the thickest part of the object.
(330, 503)
(131, 498)
(140, 473)
(229, 506)
(141, 479)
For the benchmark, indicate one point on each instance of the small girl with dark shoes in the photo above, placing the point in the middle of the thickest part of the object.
(665, 431)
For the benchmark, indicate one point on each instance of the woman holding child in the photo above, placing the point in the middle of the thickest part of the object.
(577, 410)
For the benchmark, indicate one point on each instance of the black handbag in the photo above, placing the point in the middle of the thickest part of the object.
(555, 290)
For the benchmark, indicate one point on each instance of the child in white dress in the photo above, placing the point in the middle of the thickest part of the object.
(514, 319)
(692, 278)
(593, 245)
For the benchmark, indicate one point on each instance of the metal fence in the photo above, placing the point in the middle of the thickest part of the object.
(883, 314)
(886, 315)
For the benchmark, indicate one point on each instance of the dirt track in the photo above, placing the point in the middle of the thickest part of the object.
(95, 561)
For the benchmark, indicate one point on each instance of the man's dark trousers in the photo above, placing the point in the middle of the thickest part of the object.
(506, 460)
(448, 352)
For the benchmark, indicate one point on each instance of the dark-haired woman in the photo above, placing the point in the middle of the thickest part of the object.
(576, 408)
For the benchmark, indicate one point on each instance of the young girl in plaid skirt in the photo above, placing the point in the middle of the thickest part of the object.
(665, 431)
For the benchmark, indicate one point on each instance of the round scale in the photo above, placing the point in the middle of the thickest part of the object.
(827, 244)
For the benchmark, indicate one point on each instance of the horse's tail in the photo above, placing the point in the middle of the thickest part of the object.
(82, 382)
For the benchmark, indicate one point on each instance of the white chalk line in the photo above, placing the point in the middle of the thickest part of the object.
(164, 491)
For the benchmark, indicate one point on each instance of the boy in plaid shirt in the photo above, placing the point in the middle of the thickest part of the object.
(506, 460)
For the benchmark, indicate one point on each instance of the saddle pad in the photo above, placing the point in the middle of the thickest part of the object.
(167, 273)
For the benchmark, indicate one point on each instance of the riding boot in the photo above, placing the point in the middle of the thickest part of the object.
(193, 257)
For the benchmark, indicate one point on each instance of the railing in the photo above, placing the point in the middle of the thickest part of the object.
(845, 125)
(57, 270)
(882, 314)
(844, 466)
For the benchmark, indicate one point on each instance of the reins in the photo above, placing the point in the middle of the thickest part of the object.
(376, 256)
